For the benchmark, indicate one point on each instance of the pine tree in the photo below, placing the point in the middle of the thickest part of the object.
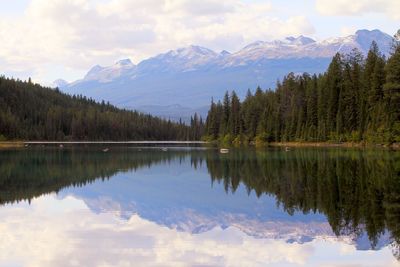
(348, 110)
(392, 94)
(312, 109)
(322, 109)
(212, 122)
(224, 127)
(234, 118)
(334, 86)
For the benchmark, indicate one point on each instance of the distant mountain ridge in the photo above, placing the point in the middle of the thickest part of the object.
(189, 77)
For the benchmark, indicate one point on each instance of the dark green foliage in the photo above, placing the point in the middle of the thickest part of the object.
(234, 118)
(31, 172)
(333, 87)
(356, 100)
(392, 94)
(31, 112)
(358, 191)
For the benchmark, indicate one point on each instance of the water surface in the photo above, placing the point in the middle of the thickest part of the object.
(197, 207)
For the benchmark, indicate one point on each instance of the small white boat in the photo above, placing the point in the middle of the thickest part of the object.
(224, 150)
(164, 149)
(61, 146)
(105, 150)
(287, 149)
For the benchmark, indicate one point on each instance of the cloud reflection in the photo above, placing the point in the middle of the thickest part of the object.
(65, 232)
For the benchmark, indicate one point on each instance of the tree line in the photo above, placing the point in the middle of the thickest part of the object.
(356, 100)
(29, 111)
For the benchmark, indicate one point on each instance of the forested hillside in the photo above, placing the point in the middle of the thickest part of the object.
(355, 100)
(31, 112)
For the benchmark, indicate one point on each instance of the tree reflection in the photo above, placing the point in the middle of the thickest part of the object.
(25, 174)
(358, 191)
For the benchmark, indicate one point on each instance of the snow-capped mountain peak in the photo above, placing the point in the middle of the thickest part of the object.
(108, 74)
(301, 40)
(182, 60)
(364, 38)
(254, 45)
(93, 72)
(190, 52)
(195, 57)
(294, 41)
(195, 50)
(125, 63)
(191, 75)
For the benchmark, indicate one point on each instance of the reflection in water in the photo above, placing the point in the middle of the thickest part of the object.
(65, 233)
(358, 192)
(355, 190)
(25, 174)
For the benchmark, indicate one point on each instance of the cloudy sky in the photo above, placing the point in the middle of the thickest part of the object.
(54, 39)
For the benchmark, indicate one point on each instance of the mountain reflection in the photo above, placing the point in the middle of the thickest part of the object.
(358, 191)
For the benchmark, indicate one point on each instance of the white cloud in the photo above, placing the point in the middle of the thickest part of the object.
(359, 7)
(346, 31)
(77, 34)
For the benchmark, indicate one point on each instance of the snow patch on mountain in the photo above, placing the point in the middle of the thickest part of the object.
(110, 73)
(180, 60)
(191, 76)
(191, 221)
(196, 57)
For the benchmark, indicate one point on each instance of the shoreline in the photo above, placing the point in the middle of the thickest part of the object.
(20, 144)
(11, 144)
(327, 144)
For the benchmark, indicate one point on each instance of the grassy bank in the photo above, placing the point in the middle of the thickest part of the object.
(15, 144)
(261, 144)
(328, 144)
(19, 144)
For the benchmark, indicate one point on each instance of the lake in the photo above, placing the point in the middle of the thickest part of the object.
(183, 206)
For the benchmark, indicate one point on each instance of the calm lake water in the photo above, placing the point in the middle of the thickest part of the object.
(197, 207)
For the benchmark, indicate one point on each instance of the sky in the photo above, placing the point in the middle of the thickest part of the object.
(47, 40)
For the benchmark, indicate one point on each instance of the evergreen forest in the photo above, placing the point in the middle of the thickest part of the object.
(29, 111)
(356, 100)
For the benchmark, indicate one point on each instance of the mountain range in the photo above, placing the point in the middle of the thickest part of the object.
(180, 82)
